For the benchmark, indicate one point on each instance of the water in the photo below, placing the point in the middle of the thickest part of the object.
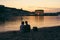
(38, 21)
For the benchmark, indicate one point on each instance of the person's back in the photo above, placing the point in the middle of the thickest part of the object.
(27, 27)
(22, 27)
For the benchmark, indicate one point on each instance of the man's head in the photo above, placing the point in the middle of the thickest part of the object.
(22, 22)
(26, 22)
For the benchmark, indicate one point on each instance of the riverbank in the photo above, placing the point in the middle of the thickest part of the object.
(47, 33)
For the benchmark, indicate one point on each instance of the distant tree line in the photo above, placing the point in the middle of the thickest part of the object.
(7, 12)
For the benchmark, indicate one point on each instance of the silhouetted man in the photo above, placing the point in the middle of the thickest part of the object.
(22, 27)
(27, 27)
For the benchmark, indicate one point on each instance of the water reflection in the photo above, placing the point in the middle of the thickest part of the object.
(39, 21)
(41, 18)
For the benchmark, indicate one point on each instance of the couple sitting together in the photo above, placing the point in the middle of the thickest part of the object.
(24, 28)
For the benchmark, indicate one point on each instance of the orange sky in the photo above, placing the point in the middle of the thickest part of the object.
(31, 5)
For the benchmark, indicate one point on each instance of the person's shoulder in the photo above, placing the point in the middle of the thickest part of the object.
(28, 25)
(22, 25)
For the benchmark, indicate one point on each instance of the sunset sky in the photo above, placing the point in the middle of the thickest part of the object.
(31, 5)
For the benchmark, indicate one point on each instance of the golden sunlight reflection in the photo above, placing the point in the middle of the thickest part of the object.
(38, 21)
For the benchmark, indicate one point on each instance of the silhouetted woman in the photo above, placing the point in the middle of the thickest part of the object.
(22, 26)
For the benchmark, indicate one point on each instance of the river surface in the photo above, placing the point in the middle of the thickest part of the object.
(38, 21)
